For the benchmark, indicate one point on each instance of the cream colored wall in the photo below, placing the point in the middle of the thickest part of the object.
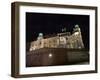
(53, 42)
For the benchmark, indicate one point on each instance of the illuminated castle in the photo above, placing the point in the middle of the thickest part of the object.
(60, 40)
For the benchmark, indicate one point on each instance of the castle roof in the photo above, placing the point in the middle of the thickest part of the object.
(50, 35)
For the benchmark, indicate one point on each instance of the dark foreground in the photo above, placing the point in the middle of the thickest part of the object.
(56, 56)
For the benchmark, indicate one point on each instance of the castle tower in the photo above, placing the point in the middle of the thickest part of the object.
(76, 28)
(40, 40)
(40, 36)
(78, 36)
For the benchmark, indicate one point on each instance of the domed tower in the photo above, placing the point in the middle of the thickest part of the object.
(40, 36)
(40, 41)
(78, 37)
(77, 28)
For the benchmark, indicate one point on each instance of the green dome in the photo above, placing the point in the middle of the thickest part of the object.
(40, 34)
(76, 26)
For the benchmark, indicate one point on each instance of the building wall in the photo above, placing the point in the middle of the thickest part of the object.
(73, 41)
(48, 42)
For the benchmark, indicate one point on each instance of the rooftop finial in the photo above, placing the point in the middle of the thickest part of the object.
(64, 29)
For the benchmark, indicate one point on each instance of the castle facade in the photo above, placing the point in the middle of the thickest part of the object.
(61, 40)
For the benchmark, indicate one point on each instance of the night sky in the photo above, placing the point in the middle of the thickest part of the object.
(53, 23)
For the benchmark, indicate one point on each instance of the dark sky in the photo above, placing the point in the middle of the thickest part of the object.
(53, 23)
